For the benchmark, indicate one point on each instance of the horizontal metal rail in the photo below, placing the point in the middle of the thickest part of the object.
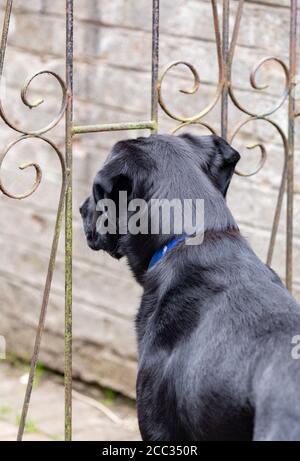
(151, 125)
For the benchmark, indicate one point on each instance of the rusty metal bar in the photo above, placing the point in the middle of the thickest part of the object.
(155, 65)
(235, 34)
(84, 129)
(225, 45)
(69, 222)
(291, 140)
(42, 318)
(218, 38)
(6, 22)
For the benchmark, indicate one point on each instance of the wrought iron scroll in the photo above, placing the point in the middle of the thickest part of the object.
(225, 49)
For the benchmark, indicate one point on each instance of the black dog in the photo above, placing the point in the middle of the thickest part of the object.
(215, 324)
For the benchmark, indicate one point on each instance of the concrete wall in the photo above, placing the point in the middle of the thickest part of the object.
(112, 83)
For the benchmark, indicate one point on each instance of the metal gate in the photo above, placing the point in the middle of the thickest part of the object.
(225, 48)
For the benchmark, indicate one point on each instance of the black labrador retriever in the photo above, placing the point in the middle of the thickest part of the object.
(215, 326)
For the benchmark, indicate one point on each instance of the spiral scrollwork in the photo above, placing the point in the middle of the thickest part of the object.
(25, 89)
(256, 86)
(31, 105)
(263, 159)
(189, 91)
(263, 150)
(36, 166)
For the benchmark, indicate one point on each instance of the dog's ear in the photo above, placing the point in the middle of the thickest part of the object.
(107, 185)
(223, 163)
(217, 158)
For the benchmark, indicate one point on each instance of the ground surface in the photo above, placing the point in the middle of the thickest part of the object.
(97, 415)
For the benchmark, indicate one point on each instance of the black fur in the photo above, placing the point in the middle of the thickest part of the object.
(215, 324)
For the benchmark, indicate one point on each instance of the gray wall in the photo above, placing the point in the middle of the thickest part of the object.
(112, 83)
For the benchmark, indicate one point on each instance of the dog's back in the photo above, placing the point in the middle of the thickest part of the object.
(216, 360)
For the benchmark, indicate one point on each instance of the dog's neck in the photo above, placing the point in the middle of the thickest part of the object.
(175, 242)
(141, 261)
(139, 249)
(183, 271)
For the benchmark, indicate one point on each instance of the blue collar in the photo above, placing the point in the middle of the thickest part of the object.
(162, 251)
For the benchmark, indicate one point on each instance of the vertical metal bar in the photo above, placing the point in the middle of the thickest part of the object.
(291, 142)
(69, 222)
(6, 22)
(155, 64)
(235, 34)
(218, 39)
(42, 318)
(225, 44)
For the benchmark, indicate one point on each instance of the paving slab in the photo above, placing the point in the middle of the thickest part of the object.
(98, 415)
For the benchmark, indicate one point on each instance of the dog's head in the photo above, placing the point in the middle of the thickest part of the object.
(158, 167)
